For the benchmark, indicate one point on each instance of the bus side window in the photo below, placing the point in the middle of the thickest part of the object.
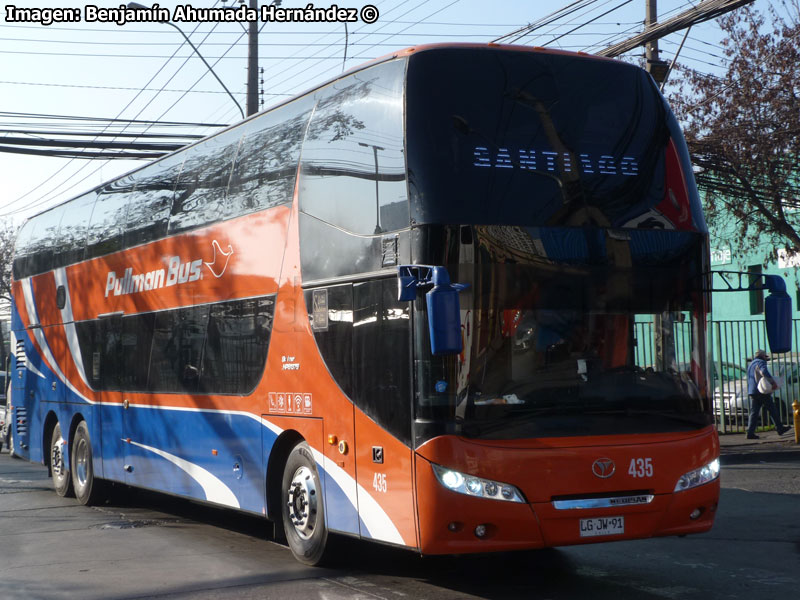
(89, 342)
(23, 250)
(178, 338)
(105, 232)
(72, 231)
(200, 194)
(43, 241)
(266, 165)
(155, 186)
(236, 345)
(381, 355)
(353, 165)
(135, 342)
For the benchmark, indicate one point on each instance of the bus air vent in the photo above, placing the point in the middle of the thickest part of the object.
(19, 354)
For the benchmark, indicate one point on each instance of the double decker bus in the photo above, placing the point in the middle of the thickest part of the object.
(265, 320)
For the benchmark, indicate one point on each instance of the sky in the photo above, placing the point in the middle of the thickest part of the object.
(145, 71)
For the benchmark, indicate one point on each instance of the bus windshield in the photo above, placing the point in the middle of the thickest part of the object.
(568, 343)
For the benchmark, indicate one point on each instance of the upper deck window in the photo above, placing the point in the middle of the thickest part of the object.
(353, 165)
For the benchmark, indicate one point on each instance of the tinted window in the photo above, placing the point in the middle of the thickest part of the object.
(147, 218)
(381, 356)
(332, 323)
(99, 341)
(219, 348)
(135, 341)
(22, 249)
(266, 165)
(353, 165)
(72, 231)
(200, 195)
(236, 345)
(89, 344)
(178, 337)
(107, 225)
(543, 139)
(43, 241)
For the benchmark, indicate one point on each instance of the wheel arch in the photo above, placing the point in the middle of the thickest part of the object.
(50, 422)
(277, 461)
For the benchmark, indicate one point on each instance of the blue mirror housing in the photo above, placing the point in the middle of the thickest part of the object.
(444, 314)
(444, 308)
(406, 288)
(778, 315)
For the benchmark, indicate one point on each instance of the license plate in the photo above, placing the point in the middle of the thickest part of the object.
(602, 526)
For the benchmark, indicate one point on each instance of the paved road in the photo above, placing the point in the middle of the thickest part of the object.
(50, 548)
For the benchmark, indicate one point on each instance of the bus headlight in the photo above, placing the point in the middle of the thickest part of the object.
(699, 476)
(476, 486)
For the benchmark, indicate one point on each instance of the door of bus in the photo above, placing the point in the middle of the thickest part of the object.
(381, 389)
(103, 371)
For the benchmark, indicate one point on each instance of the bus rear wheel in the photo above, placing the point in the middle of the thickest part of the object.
(62, 482)
(88, 489)
(303, 507)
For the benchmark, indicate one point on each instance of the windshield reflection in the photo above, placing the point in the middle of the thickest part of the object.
(572, 346)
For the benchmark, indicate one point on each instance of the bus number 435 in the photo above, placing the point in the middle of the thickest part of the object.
(641, 467)
(379, 482)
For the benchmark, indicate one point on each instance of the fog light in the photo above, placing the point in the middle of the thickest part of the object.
(695, 514)
(480, 531)
(454, 526)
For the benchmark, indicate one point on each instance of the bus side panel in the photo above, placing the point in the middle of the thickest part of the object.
(210, 455)
(294, 368)
(385, 482)
(111, 442)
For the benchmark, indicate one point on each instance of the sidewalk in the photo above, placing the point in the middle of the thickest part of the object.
(737, 444)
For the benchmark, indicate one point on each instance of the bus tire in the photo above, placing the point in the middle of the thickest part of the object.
(302, 507)
(62, 482)
(10, 441)
(88, 489)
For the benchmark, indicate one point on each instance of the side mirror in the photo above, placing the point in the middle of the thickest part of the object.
(444, 308)
(778, 315)
(444, 314)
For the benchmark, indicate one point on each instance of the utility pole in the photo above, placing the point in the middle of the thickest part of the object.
(252, 63)
(655, 66)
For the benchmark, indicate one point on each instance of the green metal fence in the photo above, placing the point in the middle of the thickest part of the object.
(732, 345)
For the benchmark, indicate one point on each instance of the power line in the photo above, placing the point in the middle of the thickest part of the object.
(43, 199)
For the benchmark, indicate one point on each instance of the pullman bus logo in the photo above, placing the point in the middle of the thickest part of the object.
(603, 468)
(176, 273)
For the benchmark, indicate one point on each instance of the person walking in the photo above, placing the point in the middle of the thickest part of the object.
(756, 371)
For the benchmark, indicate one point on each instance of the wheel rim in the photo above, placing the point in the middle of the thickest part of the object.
(57, 459)
(303, 502)
(81, 465)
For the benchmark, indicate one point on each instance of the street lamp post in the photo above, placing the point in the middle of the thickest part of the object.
(136, 5)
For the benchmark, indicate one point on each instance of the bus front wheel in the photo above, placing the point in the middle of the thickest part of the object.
(62, 482)
(303, 507)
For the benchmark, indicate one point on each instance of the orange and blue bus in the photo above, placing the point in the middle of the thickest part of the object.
(453, 300)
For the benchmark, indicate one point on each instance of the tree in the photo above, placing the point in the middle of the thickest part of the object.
(8, 235)
(743, 129)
